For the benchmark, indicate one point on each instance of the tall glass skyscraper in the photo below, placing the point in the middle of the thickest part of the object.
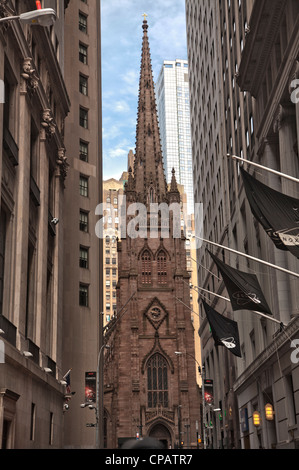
(172, 92)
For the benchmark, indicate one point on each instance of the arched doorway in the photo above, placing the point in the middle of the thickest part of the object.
(162, 434)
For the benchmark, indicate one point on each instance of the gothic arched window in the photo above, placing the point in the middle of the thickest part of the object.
(157, 382)
(161, 267)
(146, 268)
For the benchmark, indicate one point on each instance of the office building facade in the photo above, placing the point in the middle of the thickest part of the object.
(269, 371)
(113, 191)
(247, 94)
(33, 175)
(83, 252)
(173, 104)
(208, 148)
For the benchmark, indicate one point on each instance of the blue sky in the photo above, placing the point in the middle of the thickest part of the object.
(121, 56)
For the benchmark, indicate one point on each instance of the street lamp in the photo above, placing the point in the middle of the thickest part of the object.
(44, 17)
(256, 418)
(269, 412)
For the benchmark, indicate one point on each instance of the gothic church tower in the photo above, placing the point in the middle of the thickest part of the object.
(148, 389)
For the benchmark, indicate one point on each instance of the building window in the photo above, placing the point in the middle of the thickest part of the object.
(83, 53)
(84, 118)
(83, 151)
(161, 265)
(10, 100)
(83, 295)
(51, 433)
(83, 23)
(157, 382)
(83, 224)
(84, 186)
(83, 260)
(83, 85)
(146, 268)
(32, 421)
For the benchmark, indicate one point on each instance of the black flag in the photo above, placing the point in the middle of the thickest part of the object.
(224, 330)
(243, 288)
(276, 212)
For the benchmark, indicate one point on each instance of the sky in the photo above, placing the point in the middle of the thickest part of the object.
(121, 58)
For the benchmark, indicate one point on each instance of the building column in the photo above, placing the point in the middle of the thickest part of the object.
(22, 217)
(280, 286)
(2, 91)
(294, 93)
(285, 126)
(57, 301)
(42, 244)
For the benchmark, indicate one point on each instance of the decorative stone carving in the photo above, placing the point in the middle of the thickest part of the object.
(294, 75)
(29, 75)
(62, 163)
(283, 113)
(48, 123)
(3, 8)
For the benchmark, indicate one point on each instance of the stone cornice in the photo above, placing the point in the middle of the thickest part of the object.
(264, 23)
(267, 356)
(43, 39)
(32, 79)
(53, 66)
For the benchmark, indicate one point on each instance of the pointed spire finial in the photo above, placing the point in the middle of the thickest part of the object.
(145, 25)
(148, 155)
(173, 184)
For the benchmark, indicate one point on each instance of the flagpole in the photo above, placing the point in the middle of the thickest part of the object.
(196, 313)
(292, 178)
(257, 313)
(269, 318)
(209, 292)
(248, 256)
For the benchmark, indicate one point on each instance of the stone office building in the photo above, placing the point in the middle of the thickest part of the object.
(83, 257)
(269, 72)
(255, 64)
(33, 172)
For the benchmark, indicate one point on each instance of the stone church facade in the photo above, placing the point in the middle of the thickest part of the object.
(149, 389)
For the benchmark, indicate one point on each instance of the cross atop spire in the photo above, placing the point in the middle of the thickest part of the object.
(148, 168)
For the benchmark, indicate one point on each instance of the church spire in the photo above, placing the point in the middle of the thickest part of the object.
(149, 176)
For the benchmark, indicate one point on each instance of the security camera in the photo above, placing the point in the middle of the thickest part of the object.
(54, 221)
(65, 406)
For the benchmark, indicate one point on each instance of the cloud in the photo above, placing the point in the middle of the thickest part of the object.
(120, 149)
(121, 57)
(122, 107)
(131, 82)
